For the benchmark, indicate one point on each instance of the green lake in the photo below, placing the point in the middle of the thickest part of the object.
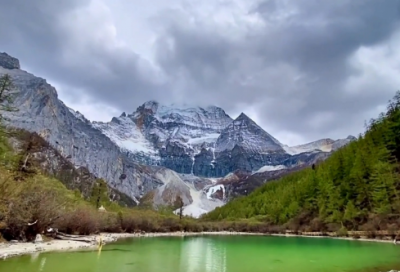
(217, 254)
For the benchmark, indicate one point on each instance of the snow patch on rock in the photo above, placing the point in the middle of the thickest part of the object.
(201, 204)
(324, 145)
(210, 191)
(124, 132)
(270, 168)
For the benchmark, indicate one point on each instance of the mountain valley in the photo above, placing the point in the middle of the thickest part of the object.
(159, 152)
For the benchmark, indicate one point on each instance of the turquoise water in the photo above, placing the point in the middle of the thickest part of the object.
(217, 254)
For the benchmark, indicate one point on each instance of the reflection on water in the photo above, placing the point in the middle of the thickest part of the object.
(34, 256)
(202, 255)
(42, 263)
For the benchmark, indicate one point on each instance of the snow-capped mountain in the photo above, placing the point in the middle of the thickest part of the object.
(203, 141)
(166, 135)
(156, 147)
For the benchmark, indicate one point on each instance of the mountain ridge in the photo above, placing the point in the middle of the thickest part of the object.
(189, 142)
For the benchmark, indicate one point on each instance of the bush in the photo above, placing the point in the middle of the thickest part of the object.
(342, 232)
(172, 224)
(129, 223)
(109, 222)
(31, 210)
(83, 221)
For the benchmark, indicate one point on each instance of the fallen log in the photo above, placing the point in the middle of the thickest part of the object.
(71, 235)
(77, 239)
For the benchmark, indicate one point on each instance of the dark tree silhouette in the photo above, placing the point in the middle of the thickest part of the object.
(179, 204)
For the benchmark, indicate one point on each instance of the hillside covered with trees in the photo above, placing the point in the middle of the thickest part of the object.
(357, 188)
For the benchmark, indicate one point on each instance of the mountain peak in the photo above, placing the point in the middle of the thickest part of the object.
(151, 105)
(243, 117)
(174, 110)
(9, 62)
(244, 132)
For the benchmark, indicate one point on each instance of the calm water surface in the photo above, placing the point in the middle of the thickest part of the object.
(217, 254)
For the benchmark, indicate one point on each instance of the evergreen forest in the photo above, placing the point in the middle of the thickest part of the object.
(357, 188)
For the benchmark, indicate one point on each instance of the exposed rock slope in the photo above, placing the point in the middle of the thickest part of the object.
(37, 155)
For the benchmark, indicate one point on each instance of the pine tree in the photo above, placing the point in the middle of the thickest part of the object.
(7, 94)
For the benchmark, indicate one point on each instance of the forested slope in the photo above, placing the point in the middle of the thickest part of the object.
(358, 187)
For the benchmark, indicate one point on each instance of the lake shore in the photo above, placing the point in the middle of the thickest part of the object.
(8, 250)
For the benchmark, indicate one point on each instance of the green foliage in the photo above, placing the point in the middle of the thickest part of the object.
(7, 94)
(99, 195)
(358, 181)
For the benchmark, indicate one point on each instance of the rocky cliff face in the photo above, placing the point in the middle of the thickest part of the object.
(38, 155)
(8, 62)
(246, 146)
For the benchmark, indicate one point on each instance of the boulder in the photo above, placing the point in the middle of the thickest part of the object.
(38, 239)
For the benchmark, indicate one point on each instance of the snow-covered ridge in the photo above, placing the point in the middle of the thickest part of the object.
(210, 117)
(175, 136)
(324, 145)
(185, 126)
(126, 135)
(78, 115)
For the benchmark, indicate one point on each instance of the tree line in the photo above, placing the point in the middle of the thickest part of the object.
(356, 188)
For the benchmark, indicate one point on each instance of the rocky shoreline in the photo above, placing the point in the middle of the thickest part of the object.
(8, 250)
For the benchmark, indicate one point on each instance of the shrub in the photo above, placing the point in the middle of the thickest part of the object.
(84, 220)
(342, 232)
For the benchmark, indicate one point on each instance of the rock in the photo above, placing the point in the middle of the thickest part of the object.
(38, 239)
(9, 62)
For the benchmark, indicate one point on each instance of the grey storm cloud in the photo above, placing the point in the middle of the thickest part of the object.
(53, 39)
(299, 66)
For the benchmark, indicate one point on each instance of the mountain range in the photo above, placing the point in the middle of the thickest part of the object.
(159, 151)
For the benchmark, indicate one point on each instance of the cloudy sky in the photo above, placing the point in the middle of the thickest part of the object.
(302, 69)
